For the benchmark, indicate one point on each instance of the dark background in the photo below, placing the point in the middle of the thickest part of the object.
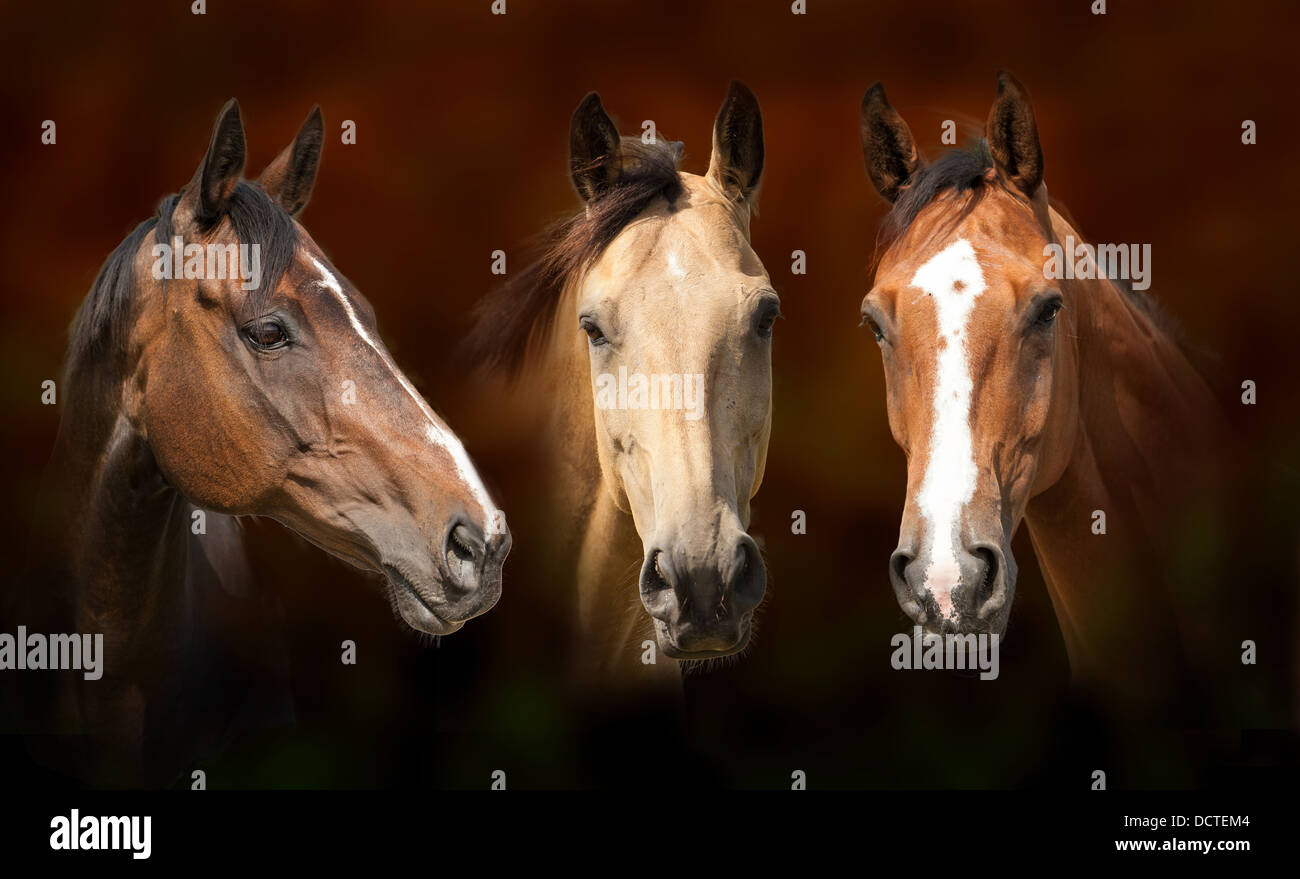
(462, 121)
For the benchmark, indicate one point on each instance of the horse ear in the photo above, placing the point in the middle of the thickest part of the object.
(289, 179)
(594, 152)
(737, 160)
(887, 145)
(205, 197)
(1013, 136)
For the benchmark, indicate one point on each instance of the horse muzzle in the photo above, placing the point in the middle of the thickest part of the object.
(703, 603)
(438, 595)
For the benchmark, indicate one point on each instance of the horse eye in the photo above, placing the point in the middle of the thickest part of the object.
(266, 334)
(1048, 313)
(875, 328)
(766, 322)
(594, 334)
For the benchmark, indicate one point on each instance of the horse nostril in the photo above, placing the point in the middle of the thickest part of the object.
(463, 552)
(911, 603)
(655, 577)
(990, 592)
(748, 576)
(898, 563)
(989, 567)
(656, 585)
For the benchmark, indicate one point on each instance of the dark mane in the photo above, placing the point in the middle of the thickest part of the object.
(965, 172)
(519, 312)
(958, 171)
(99, 329)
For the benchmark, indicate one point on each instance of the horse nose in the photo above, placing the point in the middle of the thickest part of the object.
(704, 605)
(658, 585)
(473, 560)
(977, 594)
(463, 551)
(911, 600)
(746, 578)
(988, 577)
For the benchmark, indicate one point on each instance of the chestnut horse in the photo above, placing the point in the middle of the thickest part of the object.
(653, 285)
(1017, 395)
(190, 400)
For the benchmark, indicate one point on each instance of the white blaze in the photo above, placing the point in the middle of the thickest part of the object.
(433, 431)
(953, 280)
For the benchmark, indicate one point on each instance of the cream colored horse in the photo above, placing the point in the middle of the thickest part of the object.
(654, 321)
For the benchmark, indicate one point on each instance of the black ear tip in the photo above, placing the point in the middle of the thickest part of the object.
(229, 123)
(590, 103)
(737, 89)
(739, 95)
(1007, 82)
(875, 95)
(315, 123)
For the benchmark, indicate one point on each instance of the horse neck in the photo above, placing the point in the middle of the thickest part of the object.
(1140, 407)
(124, 530)
(1144, 411)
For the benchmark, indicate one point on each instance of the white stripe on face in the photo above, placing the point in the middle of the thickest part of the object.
(953, 280)
(433, 431)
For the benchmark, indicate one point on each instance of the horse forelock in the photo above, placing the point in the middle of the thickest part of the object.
(963, 176)
(520, 312)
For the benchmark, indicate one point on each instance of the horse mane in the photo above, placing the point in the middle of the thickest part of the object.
(98, 330)
(518, 314)
(964, 171)
(957, 171)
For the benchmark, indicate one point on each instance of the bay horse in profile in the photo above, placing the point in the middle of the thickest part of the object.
(191, 400)
(1060, 401)
(650, 318)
